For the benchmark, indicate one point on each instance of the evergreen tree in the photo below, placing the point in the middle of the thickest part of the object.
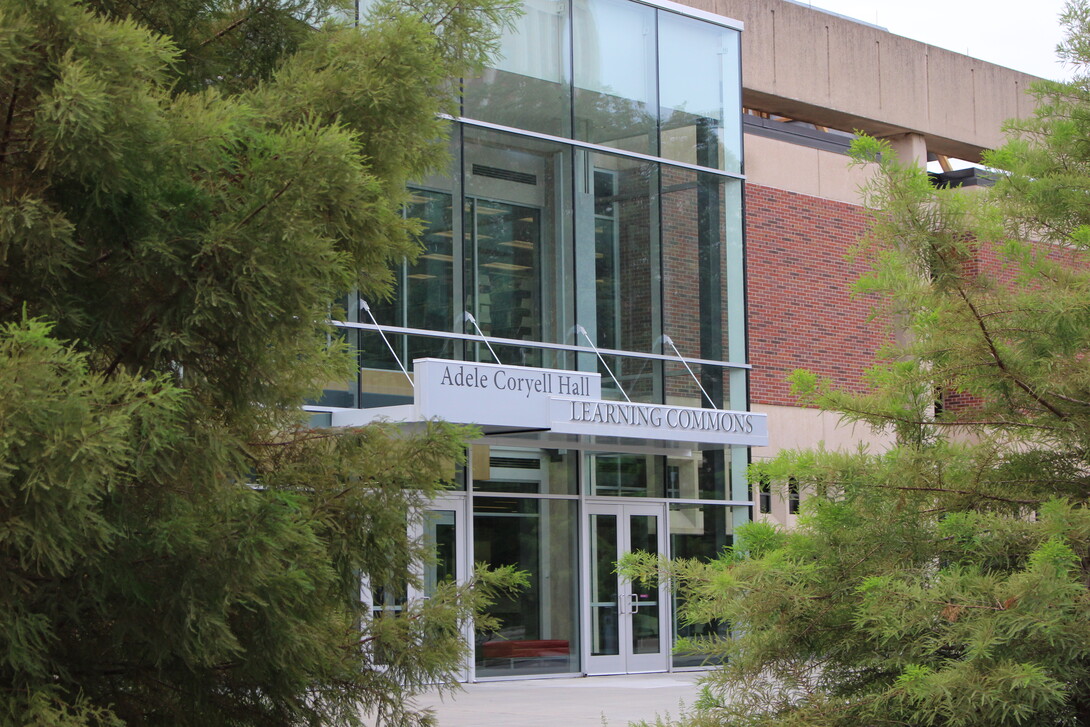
(943, 582)
(184, 188)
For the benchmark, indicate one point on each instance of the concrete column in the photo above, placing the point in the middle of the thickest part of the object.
(910, 148)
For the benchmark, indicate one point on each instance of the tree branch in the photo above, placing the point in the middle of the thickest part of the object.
(8, 121)
(999, 359)
(225, 31)
(264, 205)
(972, 493)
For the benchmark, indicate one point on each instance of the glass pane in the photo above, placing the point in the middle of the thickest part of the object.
(704, 475)
(539, 626)
(516, 231)
(341, 393)
(700, 112)
(640, 377)
(508, 250)
(615, 84)
(382, 383)
(618, 265)
(439, 535)
(529, 86)
(694, 278)
(700, 532)
(626, 475)
(604, 634)
(646, 637)
(429, 282)
(426, 293)
(386, 602)
(538, 471)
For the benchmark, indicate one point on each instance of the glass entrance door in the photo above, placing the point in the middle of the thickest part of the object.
(627, 621)
(441, 527)
(443, 532)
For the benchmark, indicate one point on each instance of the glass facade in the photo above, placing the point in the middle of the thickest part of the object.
(590, 221)
(539, 627)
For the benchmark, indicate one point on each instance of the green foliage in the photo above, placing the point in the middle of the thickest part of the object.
(944, 581)
(184, 188)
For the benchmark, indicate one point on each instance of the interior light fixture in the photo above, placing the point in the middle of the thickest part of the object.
(510, 267)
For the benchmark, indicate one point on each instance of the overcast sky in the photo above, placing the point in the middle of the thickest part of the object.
(1013, 33)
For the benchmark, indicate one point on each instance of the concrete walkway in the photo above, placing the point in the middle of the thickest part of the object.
(611, 701)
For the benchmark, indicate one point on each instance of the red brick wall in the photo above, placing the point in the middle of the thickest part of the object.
(988, 260)
(800, 311)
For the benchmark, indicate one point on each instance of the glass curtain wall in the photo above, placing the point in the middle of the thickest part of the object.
(616, 90)
(593, 187)
(538, 630)
(698, 112)
(529, 87)
(700, 532)
(517, 240)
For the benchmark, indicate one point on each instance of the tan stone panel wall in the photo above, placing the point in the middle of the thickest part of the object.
(795, 427)
(801, 169)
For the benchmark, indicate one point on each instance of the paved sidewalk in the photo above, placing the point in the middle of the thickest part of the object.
(611, 701)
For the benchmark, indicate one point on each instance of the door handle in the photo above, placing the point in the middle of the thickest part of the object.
(635, 603)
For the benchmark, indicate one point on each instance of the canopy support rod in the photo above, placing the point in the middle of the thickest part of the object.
(580, 329)
(467, 316)
(367, 308)
(669, 341)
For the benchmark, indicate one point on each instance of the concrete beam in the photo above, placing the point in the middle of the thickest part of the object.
(849, 75)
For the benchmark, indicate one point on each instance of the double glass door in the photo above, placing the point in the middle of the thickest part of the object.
(628, 628)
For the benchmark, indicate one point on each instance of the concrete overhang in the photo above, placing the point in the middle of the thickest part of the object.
(837, 72)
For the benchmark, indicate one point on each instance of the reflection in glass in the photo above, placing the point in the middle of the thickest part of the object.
(703, 475)
(528, 87)
(508, 248)
(439, 538)
(619, 279)
(701, 532)
(700, 120)
(341, 393)
(604, 617)
(381, 381)
(386, 602)
(537, 471)
(695, 280)
(615, 80)
(626, 475)
(429, 281)
(538, 632)
(516, 227)
(646, 638)
(424, 291)
(640, 377)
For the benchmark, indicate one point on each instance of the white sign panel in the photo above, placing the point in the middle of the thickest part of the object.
(490, 394)
(658, 421)
(568, 403)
